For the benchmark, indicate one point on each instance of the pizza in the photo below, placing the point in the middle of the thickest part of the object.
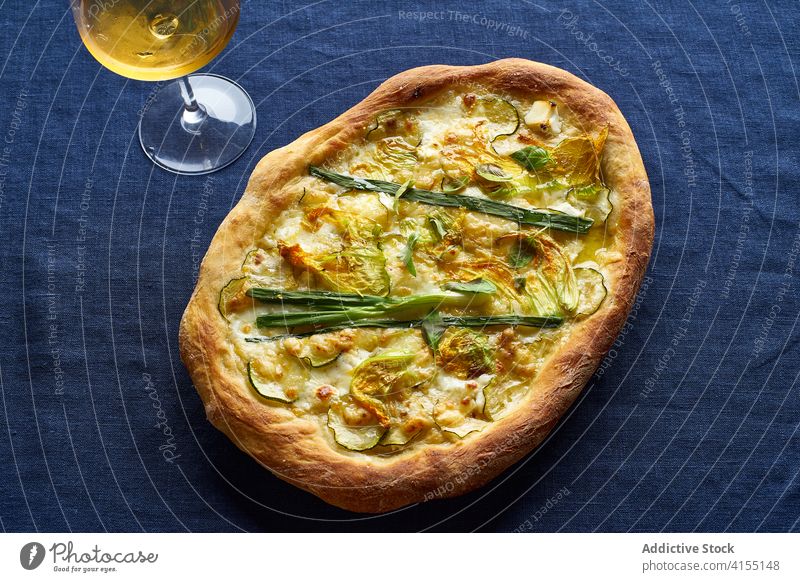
(406, 300)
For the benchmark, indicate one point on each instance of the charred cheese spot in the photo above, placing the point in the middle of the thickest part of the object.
(325, 391)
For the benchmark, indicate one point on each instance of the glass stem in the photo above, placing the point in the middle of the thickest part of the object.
(193, 114)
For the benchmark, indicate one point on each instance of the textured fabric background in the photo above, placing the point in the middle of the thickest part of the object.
(693, 422)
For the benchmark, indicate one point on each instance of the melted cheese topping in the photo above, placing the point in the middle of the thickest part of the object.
(476, 376)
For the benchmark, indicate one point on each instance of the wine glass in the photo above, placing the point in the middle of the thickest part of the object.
(199, 123)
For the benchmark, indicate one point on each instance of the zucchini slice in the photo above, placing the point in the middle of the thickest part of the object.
(592, 290)
(502, 116)
(253, 261)
(395, 123)
(317, 354)
(397, 436)
(268, 389)
(232, 291)
(469, 425)
(352, 437)
(319, 361)
(499, 397)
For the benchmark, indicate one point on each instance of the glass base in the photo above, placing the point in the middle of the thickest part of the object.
(200, 141)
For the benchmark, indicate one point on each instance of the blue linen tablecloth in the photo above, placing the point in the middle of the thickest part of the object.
(691, 422)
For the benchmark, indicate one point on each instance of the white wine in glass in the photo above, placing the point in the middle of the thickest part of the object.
(198, 124)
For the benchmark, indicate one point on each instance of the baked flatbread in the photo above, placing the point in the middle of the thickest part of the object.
(406, 300)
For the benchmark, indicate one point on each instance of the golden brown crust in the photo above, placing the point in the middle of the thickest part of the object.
(294, 448)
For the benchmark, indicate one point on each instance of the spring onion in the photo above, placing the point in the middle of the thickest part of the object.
(533, 217)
